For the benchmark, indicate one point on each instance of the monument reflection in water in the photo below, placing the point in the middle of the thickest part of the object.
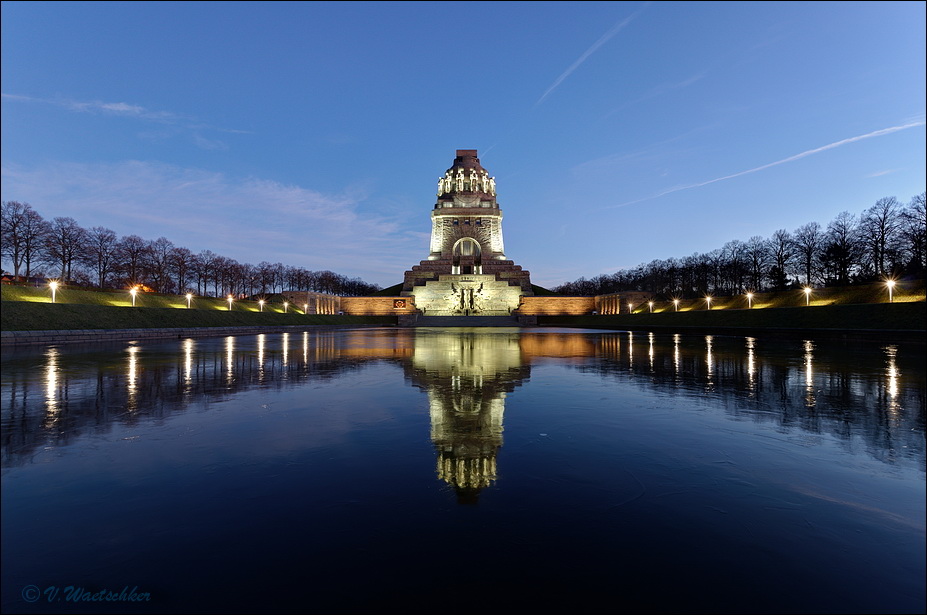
(638, 472)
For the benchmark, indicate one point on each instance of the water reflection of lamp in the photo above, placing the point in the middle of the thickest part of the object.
(809, 374)
(131, 376)
(467, 376)
(51, 381)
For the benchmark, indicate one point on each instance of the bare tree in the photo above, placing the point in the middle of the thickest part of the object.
(879, 228)
(158, 264)
(842, 250)
(757, 253)
(64, 243)
(181, 266)
(782, 249)
(914, 233)
(22, 234)
(100, 253)
(809, 240)
(132, 251)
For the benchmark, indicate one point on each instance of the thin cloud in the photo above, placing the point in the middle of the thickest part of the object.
(121, 109)
(605, 38)
(247, 219)
(810, 152)
(658, 91)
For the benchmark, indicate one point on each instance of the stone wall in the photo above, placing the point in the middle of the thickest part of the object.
(377, 306)
(312, 302)
(541, 306)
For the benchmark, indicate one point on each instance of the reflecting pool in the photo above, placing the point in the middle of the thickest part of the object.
(464, 470)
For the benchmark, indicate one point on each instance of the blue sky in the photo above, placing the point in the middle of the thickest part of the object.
(314, 133)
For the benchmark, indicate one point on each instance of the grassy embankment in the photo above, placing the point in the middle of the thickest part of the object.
(850, 308)
(30, 309)
(858, 308)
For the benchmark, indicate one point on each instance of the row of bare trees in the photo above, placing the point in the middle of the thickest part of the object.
(885, 241)
(97, 257)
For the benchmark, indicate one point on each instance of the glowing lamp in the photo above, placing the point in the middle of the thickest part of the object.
(134, 292)
(285, 306)
(807, 290)
(750, 300)
(261, 303)
(891, 287)
(54, 288)
(676, 305)
(189, 299)
(230, 302)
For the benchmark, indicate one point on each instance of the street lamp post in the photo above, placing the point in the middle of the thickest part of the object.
(807, 290)
(708, 301)
(749, 301)
(891, 287)
(134, 292)
(189, 299)
(675, 305)
(54, 288)
(261, 303)
(230, 302)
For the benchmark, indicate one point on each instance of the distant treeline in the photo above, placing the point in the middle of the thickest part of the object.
(885, 241)
(97, 257)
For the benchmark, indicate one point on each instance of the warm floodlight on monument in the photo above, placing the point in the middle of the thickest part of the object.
(749, 300)
(189, 300)
(53, 285)
(230, 302)
(890, 284)
(261, 304)
(134, 292)
(467, 272)
(807, 290)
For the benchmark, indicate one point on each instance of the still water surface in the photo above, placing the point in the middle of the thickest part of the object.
(474, 470)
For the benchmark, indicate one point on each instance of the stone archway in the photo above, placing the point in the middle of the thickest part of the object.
(467, 256)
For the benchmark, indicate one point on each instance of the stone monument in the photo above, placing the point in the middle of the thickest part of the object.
(466, 272)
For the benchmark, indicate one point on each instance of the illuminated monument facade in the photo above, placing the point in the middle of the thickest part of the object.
(467, 272)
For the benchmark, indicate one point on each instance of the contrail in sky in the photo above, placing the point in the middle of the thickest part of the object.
(617, 28)
(869, 135)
